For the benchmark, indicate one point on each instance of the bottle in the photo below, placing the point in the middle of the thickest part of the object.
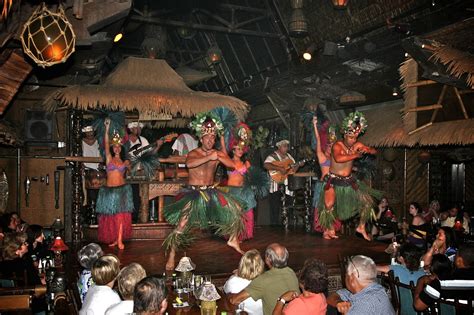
(173, 280)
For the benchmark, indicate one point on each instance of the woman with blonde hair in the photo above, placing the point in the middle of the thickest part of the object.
(251, 265)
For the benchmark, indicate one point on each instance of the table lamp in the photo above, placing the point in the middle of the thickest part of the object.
(58, 247)
(185, 266)
(208, 296)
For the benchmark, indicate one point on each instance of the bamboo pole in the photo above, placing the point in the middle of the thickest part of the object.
(440, 101)
(461, 103)
(420, 128)
(420, 83)
(424, 108)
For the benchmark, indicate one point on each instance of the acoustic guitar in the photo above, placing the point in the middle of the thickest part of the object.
(288, 165)
(137, 151)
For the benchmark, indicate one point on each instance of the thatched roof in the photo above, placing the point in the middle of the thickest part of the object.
(386, 130)
(8, 134)
(149, 86)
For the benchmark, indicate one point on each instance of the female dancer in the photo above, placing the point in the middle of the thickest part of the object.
(324, 159)
(115, 200)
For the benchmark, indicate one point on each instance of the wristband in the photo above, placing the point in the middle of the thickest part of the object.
(281, 300)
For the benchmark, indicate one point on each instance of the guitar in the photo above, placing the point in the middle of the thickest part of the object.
(136, 151)
(288, 165)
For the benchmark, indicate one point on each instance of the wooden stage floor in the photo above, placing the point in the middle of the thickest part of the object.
(213, 256)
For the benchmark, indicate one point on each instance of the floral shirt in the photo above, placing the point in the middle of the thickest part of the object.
(84, 283)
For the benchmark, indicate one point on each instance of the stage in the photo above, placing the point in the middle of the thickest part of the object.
(212, 255)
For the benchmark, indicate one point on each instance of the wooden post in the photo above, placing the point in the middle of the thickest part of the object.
(461, 103)
(161, 199)
(440, 100)
(75, 118)
(144, 211)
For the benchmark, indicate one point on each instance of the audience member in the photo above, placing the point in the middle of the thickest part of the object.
(453, 215)
(251, 265)
(445, 243)
(428, 288)
(464, 263)
(87, 256)
(36, 244)
(431, 214)
(313, 279)
(385, 223)
(128, 277)
(417, 233)
(11, 222)
(408, 268)
(101, 296)
(270, 285)
(363, 295)
(149, 296)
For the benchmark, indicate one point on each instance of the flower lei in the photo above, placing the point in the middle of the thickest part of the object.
(354, 123)
(198, 122)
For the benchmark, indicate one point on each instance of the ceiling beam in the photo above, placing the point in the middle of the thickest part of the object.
(203, 27)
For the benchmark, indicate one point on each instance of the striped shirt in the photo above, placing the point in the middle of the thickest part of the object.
(372, 300)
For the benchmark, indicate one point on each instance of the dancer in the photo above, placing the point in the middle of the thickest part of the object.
(115, 200)
(324, 160)
(236, 177)
(201, 204)
(343, 195)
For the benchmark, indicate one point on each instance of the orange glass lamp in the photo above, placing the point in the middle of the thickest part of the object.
(58, 248)
(340, 4)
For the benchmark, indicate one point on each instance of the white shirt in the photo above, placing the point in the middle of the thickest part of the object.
(143, 140)
(122, 308)
(236, 284)
(91, 151)
(98, 299)
(184, 144)
(273, 184)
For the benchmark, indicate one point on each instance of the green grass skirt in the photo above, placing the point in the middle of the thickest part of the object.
(210, 208)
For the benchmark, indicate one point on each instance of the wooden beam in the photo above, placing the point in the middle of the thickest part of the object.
(423, 108)
(466, 92)
(440, 101)
(421, 83)
(461, 103)
(420, 128)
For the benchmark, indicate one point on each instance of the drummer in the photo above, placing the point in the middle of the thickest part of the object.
(90, 148)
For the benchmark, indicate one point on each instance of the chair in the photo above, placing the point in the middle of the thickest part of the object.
(343, 261)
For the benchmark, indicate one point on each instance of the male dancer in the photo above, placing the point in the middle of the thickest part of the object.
(343, 196)
(201, 204)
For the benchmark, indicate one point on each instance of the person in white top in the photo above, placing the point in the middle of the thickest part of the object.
(281, 154)
(101, 296)
(184, 144)
(128, 277)
(251, 265)
(90, 147)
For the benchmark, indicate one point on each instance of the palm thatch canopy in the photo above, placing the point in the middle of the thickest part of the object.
(151, 87)
(8, 134)
(389, 131)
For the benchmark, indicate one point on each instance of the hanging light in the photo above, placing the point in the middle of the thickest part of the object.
(298, 25)
(214, 54)
(340, 4)
(48, 37)
(394, 92)
(154, 44)
(308, 54)
(118, 37)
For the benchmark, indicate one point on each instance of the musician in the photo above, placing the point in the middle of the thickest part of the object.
(184, 144)
(90, 148)
(344, 195)
(281, 154)
(201, 204)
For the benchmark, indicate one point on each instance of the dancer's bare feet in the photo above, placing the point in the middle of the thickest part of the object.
(121, 245)
(113, 244)
(332, 234)
(326, 235)
(171, 260)
(361, 230)
(234, 243)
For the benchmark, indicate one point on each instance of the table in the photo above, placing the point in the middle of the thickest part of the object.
(223, 305)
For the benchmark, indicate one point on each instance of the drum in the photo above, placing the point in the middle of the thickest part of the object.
(95, 179)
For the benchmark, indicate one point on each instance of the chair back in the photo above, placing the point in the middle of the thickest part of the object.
(402, 295)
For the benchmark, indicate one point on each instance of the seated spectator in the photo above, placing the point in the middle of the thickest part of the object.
(11, 222)
(385, 224)
(101, 296)
(270, 285)
(445, 243)
(36, 244)
(149, 296)
(453, 215)
(431, 214)
(363, 295)
(15, 264)
(428, 288)
(87, 256)
(409, 264)
(313, 280)
(251, 265)
(464, 263)
(128, 277)
(417, 233)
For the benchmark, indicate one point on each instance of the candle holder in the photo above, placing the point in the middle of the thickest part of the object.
(58, 248)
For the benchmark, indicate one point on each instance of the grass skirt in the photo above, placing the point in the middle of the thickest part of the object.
(208, 208)
(248, 202)
(114, 208)
(352, 197)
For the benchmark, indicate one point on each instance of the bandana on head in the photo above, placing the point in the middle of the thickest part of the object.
(241, 137)
(205, 124)
(88, 129)
(354, 124)
(135, 124)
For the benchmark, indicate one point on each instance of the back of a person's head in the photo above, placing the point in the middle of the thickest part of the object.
(10, 247)
(314, 276)
(33, 232)
(467, 255)
(128, 277)
(105, 269)
(412, 255)
(363, 268)
(441, 266)
(277, 255)
(88, 254)
(150, 296)
(251, 265)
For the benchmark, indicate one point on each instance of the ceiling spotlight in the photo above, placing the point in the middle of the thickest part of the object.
(308, 54)
(118, 37)
(394, 92)
(406, 54)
